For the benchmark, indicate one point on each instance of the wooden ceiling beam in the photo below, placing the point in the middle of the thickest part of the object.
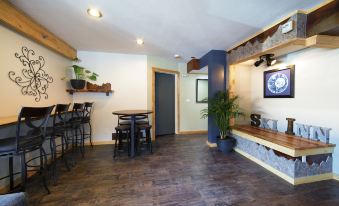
(324, 20)
(17, 20)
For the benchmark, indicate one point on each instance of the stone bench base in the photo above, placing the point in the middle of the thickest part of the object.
(294, 170)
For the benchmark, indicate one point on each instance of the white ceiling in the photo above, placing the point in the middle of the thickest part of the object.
(185, 27)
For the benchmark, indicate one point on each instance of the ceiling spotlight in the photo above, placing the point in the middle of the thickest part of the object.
(270, 60)
(260, 61)
(94, 12)
(266, 57)
(177, 56)
(140, 41)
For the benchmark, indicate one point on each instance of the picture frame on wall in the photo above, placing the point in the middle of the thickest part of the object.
(279, 83)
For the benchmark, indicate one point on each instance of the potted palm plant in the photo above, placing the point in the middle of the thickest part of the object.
(81, 74)
(223, 108)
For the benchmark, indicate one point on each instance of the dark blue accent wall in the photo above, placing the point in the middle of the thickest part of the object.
(217, 80)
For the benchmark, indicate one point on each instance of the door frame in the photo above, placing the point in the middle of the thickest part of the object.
(177, 98)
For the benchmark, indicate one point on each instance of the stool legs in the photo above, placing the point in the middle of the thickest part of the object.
(23, 171)
(53, 160)
(90, 133)
(149, 140)
(118, 142)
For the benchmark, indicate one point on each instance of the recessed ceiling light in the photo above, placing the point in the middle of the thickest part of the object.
(94, 12)
(140, 41)
(177, 56)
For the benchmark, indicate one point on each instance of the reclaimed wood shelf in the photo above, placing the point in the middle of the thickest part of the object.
(293, 45)
(72, 91)
(287, 144)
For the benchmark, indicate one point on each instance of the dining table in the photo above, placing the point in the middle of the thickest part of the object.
(133, 114)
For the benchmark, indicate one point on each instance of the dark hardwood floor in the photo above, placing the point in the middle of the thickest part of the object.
(182, 171)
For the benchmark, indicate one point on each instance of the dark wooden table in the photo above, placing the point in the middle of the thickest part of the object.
(132, 114)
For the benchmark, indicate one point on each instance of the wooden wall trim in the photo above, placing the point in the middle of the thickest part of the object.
(17, 20)
(193, 132)
(167, 71)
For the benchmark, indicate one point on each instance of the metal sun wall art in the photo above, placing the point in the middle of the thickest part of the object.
(34, 80)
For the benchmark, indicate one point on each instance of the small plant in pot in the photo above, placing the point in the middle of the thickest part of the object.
(223, 108)
(81, 74)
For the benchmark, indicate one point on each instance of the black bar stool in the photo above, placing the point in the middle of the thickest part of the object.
(122, 132)
(86, 120)
(30, 136)
(144, 126)
(58, 130)
(74, 126)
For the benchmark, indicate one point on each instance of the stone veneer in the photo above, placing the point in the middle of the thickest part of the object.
(293, 168)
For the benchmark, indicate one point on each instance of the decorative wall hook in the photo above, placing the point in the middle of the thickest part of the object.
(34, 80)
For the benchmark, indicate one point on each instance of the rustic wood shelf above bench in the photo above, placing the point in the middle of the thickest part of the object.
(293, 45)
(72, 91)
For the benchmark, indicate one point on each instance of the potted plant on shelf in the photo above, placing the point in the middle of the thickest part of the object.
(81, 74)
(223, 108)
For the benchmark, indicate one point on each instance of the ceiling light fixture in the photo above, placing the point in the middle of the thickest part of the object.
(140, 41)
(177, 56)
(266, 57)
(94, 12)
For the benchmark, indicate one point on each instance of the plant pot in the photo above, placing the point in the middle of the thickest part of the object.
(226, 145)
(78, 83)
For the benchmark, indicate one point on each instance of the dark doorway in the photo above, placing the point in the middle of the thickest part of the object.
(164, 104)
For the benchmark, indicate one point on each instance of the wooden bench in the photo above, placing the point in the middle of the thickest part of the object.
(295, 159)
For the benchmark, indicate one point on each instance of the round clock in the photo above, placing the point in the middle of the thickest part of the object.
(277, 83)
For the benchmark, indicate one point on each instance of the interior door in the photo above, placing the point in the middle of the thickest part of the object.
(164, 104)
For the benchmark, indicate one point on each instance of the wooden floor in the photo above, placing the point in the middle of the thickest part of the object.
(182, 171)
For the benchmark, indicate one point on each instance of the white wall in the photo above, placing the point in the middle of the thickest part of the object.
(55, 66)
(316, 92)
(190, 117)
(128, 76)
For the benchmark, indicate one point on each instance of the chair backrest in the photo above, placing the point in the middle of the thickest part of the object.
(60, 113)
(88, 109)
(77, 110)
(36, 119)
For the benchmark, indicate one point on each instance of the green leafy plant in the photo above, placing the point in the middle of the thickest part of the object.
(82, 73)
(222, 108)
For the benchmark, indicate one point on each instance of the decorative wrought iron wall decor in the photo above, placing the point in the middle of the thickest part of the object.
(34, 80)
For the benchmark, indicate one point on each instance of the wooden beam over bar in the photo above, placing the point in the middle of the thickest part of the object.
(15, 19)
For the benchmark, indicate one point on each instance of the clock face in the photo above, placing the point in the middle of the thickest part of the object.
(277, 83)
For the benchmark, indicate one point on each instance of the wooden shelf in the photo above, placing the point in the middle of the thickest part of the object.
(72, 91)
(317, 41)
